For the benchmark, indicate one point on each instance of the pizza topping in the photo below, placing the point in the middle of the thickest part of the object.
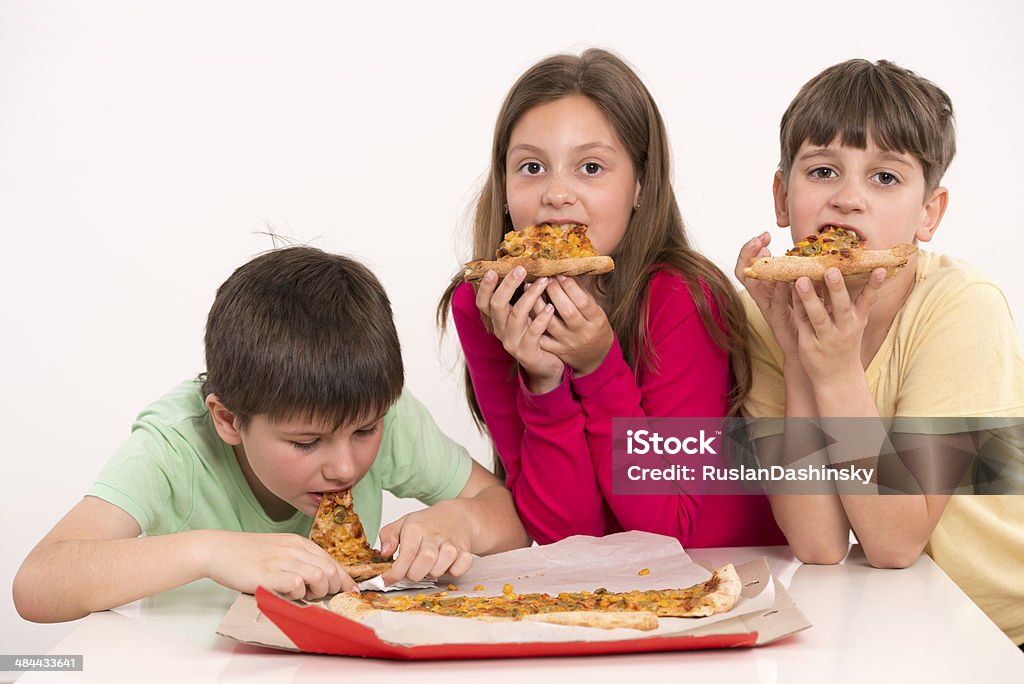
(644, 571)
(663, 603)
(547, 241)
(831, 240)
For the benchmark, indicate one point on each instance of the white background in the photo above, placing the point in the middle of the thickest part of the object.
(144, 146)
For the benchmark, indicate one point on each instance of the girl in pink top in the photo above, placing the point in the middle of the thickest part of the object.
(549, 364)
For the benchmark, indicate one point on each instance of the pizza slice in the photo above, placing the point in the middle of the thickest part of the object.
(599, 609)
(336, 529)
(833, 247)
(544, 250)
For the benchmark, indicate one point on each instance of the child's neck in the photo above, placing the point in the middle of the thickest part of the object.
(891, 299)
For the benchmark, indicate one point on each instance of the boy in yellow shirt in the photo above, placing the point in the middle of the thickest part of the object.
(219, 478)
(864, 147)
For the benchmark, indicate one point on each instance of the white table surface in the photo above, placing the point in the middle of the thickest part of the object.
(870, 625)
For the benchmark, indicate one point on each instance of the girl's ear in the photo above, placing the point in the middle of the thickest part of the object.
(636, 196)
(781, 200)
(226, 423)
(934, 208)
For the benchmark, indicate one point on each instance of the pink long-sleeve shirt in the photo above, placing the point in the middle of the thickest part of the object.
(557, 449)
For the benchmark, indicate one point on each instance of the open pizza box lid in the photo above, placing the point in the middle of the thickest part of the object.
(765, 613)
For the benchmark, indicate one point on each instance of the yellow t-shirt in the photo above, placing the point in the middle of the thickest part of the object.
(952, 351)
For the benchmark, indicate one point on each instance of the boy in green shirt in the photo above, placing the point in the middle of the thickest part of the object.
(220, 477)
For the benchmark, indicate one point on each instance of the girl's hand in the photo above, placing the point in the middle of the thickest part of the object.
(830, 336)
(519, 332)
(285, 563)
(580, 336)
(774, 299)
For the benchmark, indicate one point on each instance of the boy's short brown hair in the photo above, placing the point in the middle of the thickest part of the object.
(853, 100)
(300, 333)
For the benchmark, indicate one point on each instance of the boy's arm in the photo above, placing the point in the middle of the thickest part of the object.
(816, 526)
(892, 529)
(93, 559)
(443, 538)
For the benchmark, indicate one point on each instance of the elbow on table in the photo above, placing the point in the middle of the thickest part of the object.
(895, 558)
(820, 554)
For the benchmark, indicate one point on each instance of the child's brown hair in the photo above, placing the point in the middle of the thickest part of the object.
(300, 333)
(857, 99)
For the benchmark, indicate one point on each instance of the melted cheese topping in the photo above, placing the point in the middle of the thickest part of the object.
(664, 603)
(832, 240)
(338, 530)
(547, 242)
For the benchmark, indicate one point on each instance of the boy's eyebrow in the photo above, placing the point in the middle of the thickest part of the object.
(824, 152)
(360, 425)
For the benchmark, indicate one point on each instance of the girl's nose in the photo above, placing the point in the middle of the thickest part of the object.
(559, 192)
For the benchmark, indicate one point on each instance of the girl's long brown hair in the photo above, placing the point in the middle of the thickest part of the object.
(655, 238)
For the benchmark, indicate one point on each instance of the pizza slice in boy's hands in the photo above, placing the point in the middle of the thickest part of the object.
(544, 250)
(600, 609)
(336, 529)
(833, 247)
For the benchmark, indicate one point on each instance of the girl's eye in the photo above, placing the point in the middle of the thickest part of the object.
(886, 178)
(823, 172)
(531, 168)
(591, 168)
(306, 446)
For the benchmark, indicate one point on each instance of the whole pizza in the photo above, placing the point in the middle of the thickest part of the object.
(599, 608)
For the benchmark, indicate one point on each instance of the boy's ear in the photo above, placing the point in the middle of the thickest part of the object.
(781, 200)
(224, 421)
(934, 208)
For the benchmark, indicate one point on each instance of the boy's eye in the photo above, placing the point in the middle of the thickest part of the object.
(306, 446)
(886, 178)
(369, 430)
(531, 168)
(591, 168)
(822, 172)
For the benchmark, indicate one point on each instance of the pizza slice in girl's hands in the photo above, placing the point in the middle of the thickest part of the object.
(336, 529)
(833, 247)
(544, 250)
(600, 609)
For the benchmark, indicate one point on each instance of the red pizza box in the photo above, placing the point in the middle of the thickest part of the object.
(269, 620)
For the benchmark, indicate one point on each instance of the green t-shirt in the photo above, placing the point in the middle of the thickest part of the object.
(175, 473)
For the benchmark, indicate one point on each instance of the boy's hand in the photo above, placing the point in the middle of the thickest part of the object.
(830, 335)
(431, 542)
(774, 299)
(286, 563)
(581, 335)
(519, 332)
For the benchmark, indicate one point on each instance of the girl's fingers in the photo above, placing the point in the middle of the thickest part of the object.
(566, 307)
(811, 310)
(580, 298)
(485, 291)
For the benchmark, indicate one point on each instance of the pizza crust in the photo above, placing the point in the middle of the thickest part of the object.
(538, 267)
(854, 262)
(365, 571)
(723, 598)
